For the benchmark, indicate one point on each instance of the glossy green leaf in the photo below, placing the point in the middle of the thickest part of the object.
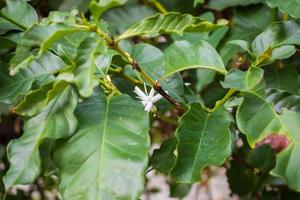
(197, 2)
(66, 47)
(233, 102)
(108, 152)
(170, 23)
(163, 159)
(19, 84)
(39, 36)
(98, 7)
(244, 45)
(84, 73)
(282, 78)
(182, 55)
(67, 5)
(204, 77)
(263, 158)
(204, 139)
(120, 19)
(250, 80)
(247, 23)
(6, 26)
(221, 4)
(20, 13)
(256, 118)
(179, 190)
(288, 161)
(283, 100)
(36, 100)
(55, 121)
(238, 174)
(276, 36)
(12, 87)
(292, 7)
(259, 121)
(197, 36)
(151, 59)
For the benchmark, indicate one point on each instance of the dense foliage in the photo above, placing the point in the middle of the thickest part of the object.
(88, 86)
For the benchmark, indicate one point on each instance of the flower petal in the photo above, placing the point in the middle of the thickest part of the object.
(156, 98)
(151, 93)
(140, 93)
(148, 106)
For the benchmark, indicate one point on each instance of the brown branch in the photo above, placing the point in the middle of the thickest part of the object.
(155, 84)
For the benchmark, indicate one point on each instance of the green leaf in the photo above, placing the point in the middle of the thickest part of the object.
(247, 23)
(283, 100)
(196, 36)
(151, 59)
(263, 158)
(276, 36)
(237, 174)
(182, 55)
(55, 121)
(103, 61)
(292, 7)
(244, 45)
(251, 80)
(5, 26)
(98, 7)
(12, 87)
(288, 160)
(66, 47)
(113, 138)
(163, 159)
(179, 189)
(196, 2)
(39, 36)
(120, 19)
(221, 4)
(256, 118)
(19, 84)
(233, 102)
(170, 23)
(36, 100)
(84, 73)
(67, 5)
(204, 139)
(282, 78)
(204, 77)
(20, 13)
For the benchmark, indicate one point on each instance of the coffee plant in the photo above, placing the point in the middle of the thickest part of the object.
(87, 87)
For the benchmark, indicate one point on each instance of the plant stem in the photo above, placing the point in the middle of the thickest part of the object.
(285, 17)
(158, 6)
(155, 84)
(223, 100)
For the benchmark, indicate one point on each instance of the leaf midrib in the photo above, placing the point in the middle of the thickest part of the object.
(200, 143)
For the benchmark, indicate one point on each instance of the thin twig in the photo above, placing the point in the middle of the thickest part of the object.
(155, 84)
(222, 101)
(156, 4)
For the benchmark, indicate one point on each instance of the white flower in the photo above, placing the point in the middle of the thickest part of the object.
(147, 99)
